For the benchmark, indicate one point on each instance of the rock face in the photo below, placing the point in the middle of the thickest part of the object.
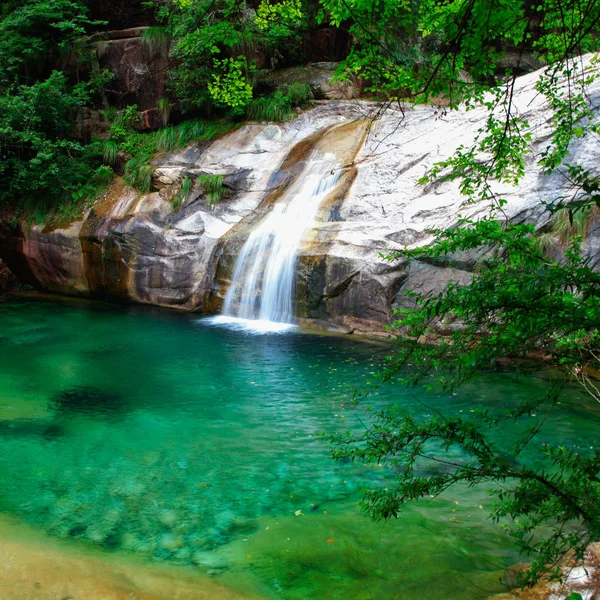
(577, 577)
(139, 248)
(139, 70)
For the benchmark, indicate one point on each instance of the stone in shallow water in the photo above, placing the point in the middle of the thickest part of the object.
(130, 541)
(168, 518)
(209, 559)
(170, 542)
(87, 400)
(224, 520)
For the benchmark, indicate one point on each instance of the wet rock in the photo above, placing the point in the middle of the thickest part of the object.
(139, 72)
(135, 247)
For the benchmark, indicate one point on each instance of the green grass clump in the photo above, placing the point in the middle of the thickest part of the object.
(179, 199)
(213, 188)
(568, 223)
(164, 107)
(299, 93)
(110, 152)
(279, 106)
(173, 137)
(157, 39)
(138, 173)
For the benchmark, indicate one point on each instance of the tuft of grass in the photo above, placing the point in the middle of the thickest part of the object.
(186, 187)
(157, 39)
(174, 137)
(276, 107)
(213, 188)
(110, 152)
(138, 173)
(546, 241)
(167, 139)
(164, 106)
(102, 48)
(568, 223)
(299, 93)
(179, 199)
(279, 106)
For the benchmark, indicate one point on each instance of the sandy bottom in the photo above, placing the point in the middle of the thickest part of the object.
(33, 567)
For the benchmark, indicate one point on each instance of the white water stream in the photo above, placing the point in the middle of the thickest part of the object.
(261, 294)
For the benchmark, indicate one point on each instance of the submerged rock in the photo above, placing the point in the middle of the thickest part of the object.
(87, 400)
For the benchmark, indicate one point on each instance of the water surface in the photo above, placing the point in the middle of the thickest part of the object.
(156, 435)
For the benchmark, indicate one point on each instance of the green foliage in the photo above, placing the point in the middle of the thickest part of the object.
(43, 167)
(110, 152)
(423, 50)
(214, 42)
(299, 93)
(33, 32)
(178, 136)
(213, 188)
(138, 173)
(229, 86)
(568, 224)
(520, 303)
(40, 165)
(279, 105)
(523, 305)
(279, 20)
(179, 199)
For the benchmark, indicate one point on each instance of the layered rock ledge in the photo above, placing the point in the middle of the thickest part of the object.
(135, 247)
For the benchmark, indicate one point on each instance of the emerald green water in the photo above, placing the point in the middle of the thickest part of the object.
(156, 434)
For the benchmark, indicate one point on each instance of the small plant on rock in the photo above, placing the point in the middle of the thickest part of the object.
(213, 188)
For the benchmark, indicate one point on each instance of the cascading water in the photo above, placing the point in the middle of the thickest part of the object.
(261, 294)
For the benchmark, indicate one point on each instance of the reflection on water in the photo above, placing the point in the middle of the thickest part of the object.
(155, 434)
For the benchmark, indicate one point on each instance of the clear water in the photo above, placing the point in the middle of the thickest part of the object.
(261, 294)
(154, 434)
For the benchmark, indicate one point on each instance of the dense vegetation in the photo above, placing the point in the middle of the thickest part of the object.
(521, 302)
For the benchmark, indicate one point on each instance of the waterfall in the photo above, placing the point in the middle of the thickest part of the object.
(261, 294)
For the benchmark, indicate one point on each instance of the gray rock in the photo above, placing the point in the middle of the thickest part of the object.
(133, 247)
